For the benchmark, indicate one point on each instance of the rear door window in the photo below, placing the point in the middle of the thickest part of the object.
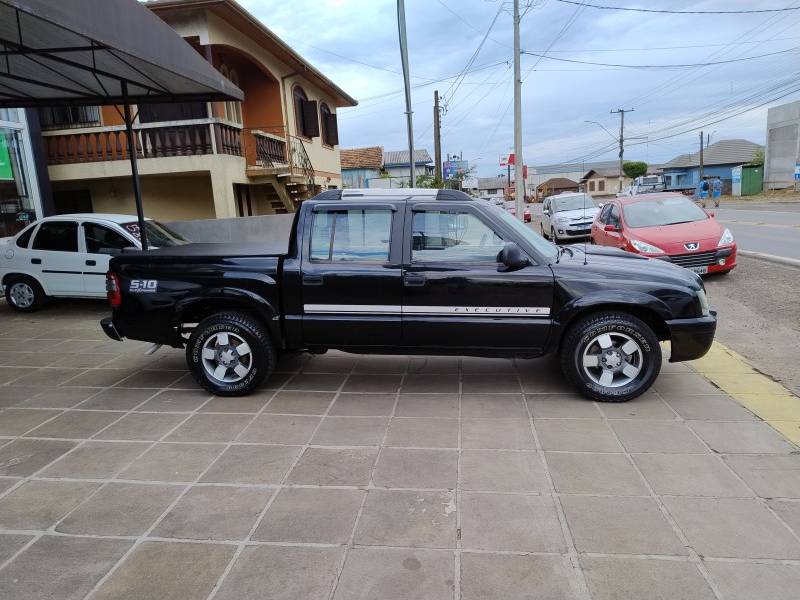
(57, 236)
(353, 235)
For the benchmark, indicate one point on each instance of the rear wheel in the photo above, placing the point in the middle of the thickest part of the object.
(230, 354)
(24, 294)
(611, 357)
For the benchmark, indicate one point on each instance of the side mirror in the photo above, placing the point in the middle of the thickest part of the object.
(545, 211)
(512, 258)
(610, 227)
(600, 205)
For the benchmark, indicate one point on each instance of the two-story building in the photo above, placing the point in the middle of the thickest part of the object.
(204, 160)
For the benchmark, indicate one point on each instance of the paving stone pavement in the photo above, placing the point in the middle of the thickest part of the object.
(376, 478)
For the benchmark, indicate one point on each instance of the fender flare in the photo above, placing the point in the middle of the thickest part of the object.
(231, 298)
(611, 299)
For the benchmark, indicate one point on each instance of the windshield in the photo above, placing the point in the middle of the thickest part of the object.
(158, 235)
(576, 202)
(667, 211)
(534, 239)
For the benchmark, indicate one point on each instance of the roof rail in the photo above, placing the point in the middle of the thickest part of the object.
(451, 195)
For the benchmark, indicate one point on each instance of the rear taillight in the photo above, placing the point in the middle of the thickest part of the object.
(113, 290)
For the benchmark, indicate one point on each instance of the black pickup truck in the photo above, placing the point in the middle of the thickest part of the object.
(412, 272)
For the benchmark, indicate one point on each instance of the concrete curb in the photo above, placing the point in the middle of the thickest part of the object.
(781, 260)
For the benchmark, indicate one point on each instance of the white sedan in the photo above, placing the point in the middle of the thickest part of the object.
(68, 256)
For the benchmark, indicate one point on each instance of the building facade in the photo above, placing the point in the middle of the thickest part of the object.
(719, 159)
(783, 146)
(360, 165)
(203, 160)
(20, 198)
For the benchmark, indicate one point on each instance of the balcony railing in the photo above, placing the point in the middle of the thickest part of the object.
(271, 148)
(152, 141)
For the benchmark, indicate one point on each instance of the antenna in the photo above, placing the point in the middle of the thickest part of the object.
(585, 255)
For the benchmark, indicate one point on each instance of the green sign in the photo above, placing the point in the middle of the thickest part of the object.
(6, 172)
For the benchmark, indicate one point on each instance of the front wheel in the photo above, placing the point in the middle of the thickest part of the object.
(611, 357)
(230, 354)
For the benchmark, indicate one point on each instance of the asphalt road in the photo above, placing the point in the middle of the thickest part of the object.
(772, 228)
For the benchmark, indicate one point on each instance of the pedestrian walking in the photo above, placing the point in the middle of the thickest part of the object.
(703, 191)
(716, 190)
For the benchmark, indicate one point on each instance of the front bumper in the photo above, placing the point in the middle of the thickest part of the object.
(573, 234)
(691, 338)
(110, 330)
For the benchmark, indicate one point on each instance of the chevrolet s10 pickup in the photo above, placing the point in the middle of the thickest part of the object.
(411, 271)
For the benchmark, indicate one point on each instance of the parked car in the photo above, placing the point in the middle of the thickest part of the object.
(567, 216)
(67, 256)
(413, 272)
(511, 207)
(668, 226)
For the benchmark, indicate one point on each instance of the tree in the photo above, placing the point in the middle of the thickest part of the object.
(634, 168)
(758, 158)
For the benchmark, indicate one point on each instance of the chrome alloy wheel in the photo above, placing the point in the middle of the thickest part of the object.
(22, 294)
(612, 359)
(227, 358)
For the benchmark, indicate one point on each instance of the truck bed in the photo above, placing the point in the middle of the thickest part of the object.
(212, 251)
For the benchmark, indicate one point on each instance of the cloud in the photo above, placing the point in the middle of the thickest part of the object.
(557, 96)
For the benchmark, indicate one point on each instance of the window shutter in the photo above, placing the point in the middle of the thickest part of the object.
(332, 127)
(310, 120)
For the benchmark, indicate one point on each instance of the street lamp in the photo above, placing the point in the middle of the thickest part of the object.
(604, 129)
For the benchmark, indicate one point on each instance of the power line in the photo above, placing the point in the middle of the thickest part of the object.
(468, 24)
(653, 48)
(672, 66)
(448, 95)
(680, 12)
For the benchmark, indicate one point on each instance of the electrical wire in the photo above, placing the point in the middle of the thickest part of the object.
(671, 66)
(681, 12)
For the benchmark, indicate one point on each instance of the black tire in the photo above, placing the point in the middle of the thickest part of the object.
(32, 286)
(583, 332)
(262, 352)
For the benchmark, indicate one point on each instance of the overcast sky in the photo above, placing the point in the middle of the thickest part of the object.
(337, 36)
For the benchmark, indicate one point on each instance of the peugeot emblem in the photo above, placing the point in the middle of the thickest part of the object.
(691, 245)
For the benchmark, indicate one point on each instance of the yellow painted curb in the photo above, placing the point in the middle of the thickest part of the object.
(764, 397)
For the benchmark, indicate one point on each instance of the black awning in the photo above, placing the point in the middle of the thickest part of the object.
(85, 51)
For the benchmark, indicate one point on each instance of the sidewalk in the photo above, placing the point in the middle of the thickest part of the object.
(383, 478)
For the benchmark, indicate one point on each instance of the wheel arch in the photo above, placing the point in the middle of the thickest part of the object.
(642, 306)
(8, 277)
(219, 300)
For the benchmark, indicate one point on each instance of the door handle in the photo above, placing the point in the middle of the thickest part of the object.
(413, 279)
(91, 263)
(312, 279)
(36, 261)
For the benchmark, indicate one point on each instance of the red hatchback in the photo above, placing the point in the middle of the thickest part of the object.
(667, 226)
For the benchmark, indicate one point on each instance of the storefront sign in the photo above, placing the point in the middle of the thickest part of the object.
(6, 172)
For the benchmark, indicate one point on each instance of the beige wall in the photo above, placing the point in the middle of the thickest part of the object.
(165, 198)
(213, 30)
(611, 185)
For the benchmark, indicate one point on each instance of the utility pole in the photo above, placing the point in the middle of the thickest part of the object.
(401, 30)
(519, 180)
(621, 112)
(437, 136)
(701, 157)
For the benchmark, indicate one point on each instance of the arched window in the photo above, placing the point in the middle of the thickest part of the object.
(305, 114)
(330, 128)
